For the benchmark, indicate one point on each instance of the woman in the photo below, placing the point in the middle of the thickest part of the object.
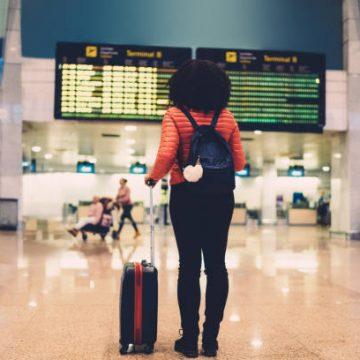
(124, 200)
(201, 221)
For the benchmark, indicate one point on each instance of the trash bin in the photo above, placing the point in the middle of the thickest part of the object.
(8, 214)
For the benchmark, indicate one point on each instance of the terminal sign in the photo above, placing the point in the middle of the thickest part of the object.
(274, 90)
(114, 82)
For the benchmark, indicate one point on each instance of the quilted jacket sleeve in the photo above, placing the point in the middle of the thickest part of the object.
(168, 148)
(237, 149)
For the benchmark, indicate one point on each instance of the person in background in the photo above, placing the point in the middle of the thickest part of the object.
(124, 200)
(108, 206)
(94, 216)
(201, 221)
(323, 209)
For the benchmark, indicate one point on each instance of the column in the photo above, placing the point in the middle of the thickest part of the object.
(10, 110)
(345, 155)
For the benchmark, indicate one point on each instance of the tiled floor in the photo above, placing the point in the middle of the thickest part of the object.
(295, 294)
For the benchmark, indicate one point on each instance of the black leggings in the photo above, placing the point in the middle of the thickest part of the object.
(201, 223)
(126, 214)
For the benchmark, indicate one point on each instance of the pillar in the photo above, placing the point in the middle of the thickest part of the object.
(346, 149)
(10, 110)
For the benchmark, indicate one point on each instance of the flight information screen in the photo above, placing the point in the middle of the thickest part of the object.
(114, 82)
(274, 90)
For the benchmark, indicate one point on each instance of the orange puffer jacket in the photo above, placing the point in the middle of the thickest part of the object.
(176, 136)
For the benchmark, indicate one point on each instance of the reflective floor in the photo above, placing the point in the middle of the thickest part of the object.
(295, 294)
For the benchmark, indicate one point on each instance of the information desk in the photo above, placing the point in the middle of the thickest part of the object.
(114, 82)
(302, 217)
(274, 90)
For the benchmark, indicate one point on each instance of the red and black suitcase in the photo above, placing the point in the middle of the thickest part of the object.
(139, 301)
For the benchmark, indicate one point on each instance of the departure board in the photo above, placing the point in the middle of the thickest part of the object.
(114, 82)
(274, 90)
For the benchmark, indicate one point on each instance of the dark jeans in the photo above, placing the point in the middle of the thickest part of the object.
(126, 214)
(201, 223)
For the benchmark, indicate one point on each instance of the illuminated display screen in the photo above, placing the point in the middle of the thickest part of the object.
(114, 82)
(274, 90)
(245, 172)
(85, 167)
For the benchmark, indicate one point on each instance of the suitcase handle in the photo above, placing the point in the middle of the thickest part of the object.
(152, 228)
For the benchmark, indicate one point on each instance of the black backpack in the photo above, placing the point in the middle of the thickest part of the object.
(214, 154)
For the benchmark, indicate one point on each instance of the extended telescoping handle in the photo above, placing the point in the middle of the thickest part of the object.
(152, 224)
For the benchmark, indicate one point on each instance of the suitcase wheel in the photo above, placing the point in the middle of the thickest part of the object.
(148, 348)
(84, 236)
(124, 349)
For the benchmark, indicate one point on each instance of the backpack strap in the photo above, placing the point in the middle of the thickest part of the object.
(215, 119)
(190, 118)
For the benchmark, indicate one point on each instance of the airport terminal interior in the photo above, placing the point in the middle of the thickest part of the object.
(83, 89)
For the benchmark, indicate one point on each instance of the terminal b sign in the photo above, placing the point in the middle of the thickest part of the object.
(114, 82)
(273, 90)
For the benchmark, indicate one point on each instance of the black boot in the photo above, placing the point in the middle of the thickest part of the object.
(187, 345)
(210, 348)
(209, 343)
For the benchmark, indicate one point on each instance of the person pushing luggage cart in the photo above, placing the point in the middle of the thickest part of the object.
(123, 199)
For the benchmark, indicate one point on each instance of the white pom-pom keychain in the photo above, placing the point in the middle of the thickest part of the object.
(193, 173)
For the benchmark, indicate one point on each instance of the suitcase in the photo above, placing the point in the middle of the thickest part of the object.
(139, 301)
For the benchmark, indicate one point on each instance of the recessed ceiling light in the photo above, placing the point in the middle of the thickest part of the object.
(48, 156)
(130, 128)
(326, 168)
(130, 141)
(257, 132)
(131, 151)
(36, 149)
(337, 156)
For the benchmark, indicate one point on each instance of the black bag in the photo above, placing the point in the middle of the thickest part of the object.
(139, 302)
(213, 153)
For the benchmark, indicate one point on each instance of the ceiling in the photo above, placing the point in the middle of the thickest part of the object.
(115, 145)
